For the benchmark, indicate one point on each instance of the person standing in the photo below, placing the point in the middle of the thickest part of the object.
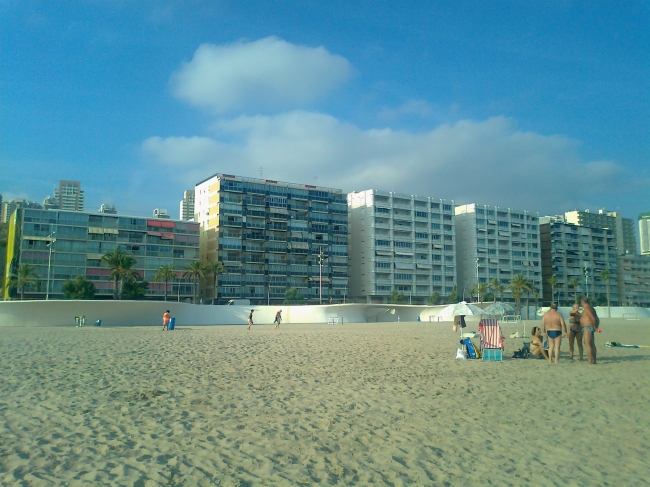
(575, 330)
(589, 322)
(278, 319)
(166, 319)
(552, 326)
(250, 319)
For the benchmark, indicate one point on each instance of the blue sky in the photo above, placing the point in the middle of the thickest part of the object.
(537, 105)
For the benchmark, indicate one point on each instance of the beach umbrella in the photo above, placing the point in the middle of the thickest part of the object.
(459, 309)
(500, 309)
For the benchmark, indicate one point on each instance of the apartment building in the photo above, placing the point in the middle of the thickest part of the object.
(634, 280)
(187, 205)
(79, 240)
(576, 256)
(623, 227)
(496, 243)
(644, 233)
(69, 196)
(272, 236)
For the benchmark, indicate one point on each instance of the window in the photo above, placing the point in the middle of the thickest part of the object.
(383, 265)
(422, 235)
(480, 211)
(381, 210)
(503, 224)
(403, 245)
(382, 243)
(449, 247)
(421, 214)
(435, 226)
(446, 207)
(403, 277)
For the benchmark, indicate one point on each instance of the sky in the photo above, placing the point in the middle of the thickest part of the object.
(534, 105)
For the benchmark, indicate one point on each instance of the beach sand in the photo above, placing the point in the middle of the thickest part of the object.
(360, 404)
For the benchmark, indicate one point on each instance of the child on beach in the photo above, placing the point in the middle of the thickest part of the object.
(250, 319)
(278, 319)
(166, 319)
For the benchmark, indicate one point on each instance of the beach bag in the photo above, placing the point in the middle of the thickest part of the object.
(471, 350)
(461, 354)
(519, 354)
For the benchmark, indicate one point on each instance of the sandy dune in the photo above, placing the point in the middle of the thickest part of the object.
(371, 404)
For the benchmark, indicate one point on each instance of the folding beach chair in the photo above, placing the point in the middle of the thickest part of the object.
(491, 339)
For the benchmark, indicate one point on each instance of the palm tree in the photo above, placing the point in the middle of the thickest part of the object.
(552, 281)
(164, 274)
(536, 298)
(113, 260)
(559, 286)
(196, 271)
(495, 284)
(528, 287)
(574, 282)
(481, 289)
(518, 283)
(215, 268)
(473, 290)
(605, 275)
(24, 276)
(517, 293)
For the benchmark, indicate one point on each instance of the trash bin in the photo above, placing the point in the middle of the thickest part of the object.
(172, 323)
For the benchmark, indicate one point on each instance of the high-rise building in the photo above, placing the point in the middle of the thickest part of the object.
(272, 236)
(8, 207)
(402, 243)
(160, 213)
(644, 233)
(69, 196)
(107, 209)
(576, 257)
(496, 243)
(622, 227)
(80, 241)
(634, 280)
(187, 205)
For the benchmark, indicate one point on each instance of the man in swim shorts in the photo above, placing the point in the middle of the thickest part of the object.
(552, 326)
(589, 322)
(575, 330)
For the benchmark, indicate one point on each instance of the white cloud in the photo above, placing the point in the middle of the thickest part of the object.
(489, 162)
(411, 108)
(265, 74)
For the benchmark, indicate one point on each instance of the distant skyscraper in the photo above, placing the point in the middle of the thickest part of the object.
(68, 196)
(623, 227)
(644, 231)
(187, 205)
(160, 213)
(8, 207)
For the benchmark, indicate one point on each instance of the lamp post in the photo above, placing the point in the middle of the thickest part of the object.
(464, 285)
(346, 289)
(321, 259)
(52, 238)
(586, 278)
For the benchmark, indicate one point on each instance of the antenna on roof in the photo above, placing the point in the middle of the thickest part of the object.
(261, 169)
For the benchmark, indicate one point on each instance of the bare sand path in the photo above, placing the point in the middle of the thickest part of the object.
(371, 404)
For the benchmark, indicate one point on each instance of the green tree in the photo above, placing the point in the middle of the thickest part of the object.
(121, 265)
(215, 268)
(536, 298)
(80, 288)
(522, 285)
(165, 273)
(195, 271)
(453, 295)
(517, 293)
(496, 286)
(528, 288)
(605, 275)
(559, 286)
(573, 283)
(481, 289)
(293, 296)
(134, 290)
(552, 281)
(433, 299)
(396, 297)
(24, 276)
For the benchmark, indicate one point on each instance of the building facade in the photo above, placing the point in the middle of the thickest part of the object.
(634, 280)
(644, 233)
(187, 205)
(79, 240)
(269, 235)
(577, 256)
(402, 243)
(623, 227)
(496, 243)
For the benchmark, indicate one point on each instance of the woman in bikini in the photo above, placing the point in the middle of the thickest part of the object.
(537, 344)
(575, 330)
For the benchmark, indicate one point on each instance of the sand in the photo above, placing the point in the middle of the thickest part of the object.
(363, 404)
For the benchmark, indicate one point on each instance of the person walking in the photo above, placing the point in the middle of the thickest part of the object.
(166, 319)
(278, 319)
(552, 326)
(250, 319)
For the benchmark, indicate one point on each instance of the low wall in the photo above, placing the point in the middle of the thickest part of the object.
(149, 313)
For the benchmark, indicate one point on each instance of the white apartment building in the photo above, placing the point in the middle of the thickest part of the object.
(69, 196)
(187, 205)
(400, 242)
(496, 243)
(623, 227)
(644, 233)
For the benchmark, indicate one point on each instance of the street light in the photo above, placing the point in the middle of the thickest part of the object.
(52, 238)
(321, 259)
